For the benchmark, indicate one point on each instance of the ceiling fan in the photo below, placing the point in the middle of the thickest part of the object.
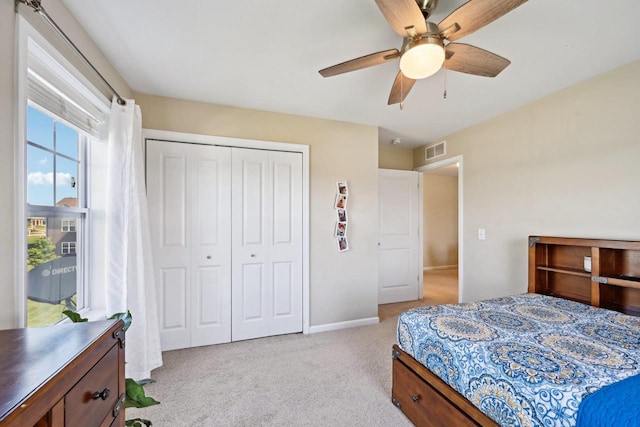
(423, 50)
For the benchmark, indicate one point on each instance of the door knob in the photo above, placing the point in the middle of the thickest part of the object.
(253, 255)
(208, 256)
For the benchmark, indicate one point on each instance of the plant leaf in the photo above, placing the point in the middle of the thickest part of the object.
(74, 317)
(136, 397)
(126, 317)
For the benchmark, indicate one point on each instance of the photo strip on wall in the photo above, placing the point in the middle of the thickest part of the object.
(340, 205)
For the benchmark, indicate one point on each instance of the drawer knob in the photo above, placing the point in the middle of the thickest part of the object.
(104, 394)
(415, 398)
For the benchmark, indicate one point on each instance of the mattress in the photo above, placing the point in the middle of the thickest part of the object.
(524, 360)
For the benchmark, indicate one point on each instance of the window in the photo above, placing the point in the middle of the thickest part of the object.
(68, 225)
(56, 214)
(68, 248)
(60, 140)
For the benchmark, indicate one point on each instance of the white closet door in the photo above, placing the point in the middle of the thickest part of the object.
(188, 188)
(267, 243)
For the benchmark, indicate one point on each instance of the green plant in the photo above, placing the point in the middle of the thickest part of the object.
(135, 394)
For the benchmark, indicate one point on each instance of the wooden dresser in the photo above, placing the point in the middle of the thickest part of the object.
(63, 375)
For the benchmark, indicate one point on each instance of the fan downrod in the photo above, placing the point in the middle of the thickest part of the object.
(427, 7)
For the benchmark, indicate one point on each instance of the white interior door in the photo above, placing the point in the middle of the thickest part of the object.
(267, 243)
(399, 275)
(188, 189)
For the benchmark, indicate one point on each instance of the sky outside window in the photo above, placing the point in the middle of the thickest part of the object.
(52, 152)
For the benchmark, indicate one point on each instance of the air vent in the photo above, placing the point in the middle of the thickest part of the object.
(437, 150)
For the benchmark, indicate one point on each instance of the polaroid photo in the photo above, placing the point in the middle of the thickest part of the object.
(342, 187)
(341, 201)
(343, 244)
(342, 215)
(341, 229)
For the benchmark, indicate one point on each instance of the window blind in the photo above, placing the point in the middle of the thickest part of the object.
(51, 86)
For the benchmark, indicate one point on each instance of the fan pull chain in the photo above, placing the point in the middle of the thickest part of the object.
(445, 84)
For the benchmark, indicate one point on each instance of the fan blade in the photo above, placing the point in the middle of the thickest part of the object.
(475, 14)
(473, 60)
(362, 62)
(400, 89)
(403, 14)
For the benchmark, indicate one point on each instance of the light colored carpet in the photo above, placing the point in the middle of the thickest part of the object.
(339, 378)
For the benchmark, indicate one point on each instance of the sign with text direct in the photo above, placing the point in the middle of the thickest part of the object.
(53, 281)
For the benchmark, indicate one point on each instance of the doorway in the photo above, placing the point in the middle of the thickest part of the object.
(442, 231)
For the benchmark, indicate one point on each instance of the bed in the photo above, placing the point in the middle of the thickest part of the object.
(548, 357)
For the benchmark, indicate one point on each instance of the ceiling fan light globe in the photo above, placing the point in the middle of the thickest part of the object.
(422, 59)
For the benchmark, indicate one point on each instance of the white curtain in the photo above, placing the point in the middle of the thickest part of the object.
(129, 280)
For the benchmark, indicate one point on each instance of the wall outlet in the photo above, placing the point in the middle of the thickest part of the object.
(481, 234)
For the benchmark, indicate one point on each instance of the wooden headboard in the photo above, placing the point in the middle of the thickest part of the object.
(557, 267)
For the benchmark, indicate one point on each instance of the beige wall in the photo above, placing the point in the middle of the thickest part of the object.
(8, 102)
(565, 165)
(343, 286)
(440, 220)
(395, 157)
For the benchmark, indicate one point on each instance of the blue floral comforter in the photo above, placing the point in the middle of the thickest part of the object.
(524, 360)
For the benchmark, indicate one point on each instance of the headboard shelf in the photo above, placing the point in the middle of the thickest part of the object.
(572, 271)
(559, 266)
(624, 281)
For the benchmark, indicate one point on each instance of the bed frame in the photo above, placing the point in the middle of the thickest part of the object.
(558, 266)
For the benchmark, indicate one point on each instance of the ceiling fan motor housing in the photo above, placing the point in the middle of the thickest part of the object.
(432, 36)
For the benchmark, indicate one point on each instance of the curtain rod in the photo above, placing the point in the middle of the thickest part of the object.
(36, 5)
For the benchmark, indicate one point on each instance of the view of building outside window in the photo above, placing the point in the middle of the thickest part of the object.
(54, 222)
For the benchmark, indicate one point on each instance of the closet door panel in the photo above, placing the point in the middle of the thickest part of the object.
(168, 198)
(251, 209)
(209, 297)
(252, 293)
(285, 250)
(188, 190)
(253, 199)
(173, 289)
(210, 169)
(282, 203)
(174, 200)
(268, 201)
(283, 285)
(172, 286)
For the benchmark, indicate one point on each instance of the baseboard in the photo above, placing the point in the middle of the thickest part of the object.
(344, 325)
(440, 267)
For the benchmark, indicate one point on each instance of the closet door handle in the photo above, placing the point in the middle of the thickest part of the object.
(253, 255)
(208, 256)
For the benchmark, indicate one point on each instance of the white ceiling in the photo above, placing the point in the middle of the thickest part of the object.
(266, 55)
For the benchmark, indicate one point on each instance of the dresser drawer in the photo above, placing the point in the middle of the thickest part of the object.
(91, 400)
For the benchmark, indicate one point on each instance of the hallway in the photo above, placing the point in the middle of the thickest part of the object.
(440, 287)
